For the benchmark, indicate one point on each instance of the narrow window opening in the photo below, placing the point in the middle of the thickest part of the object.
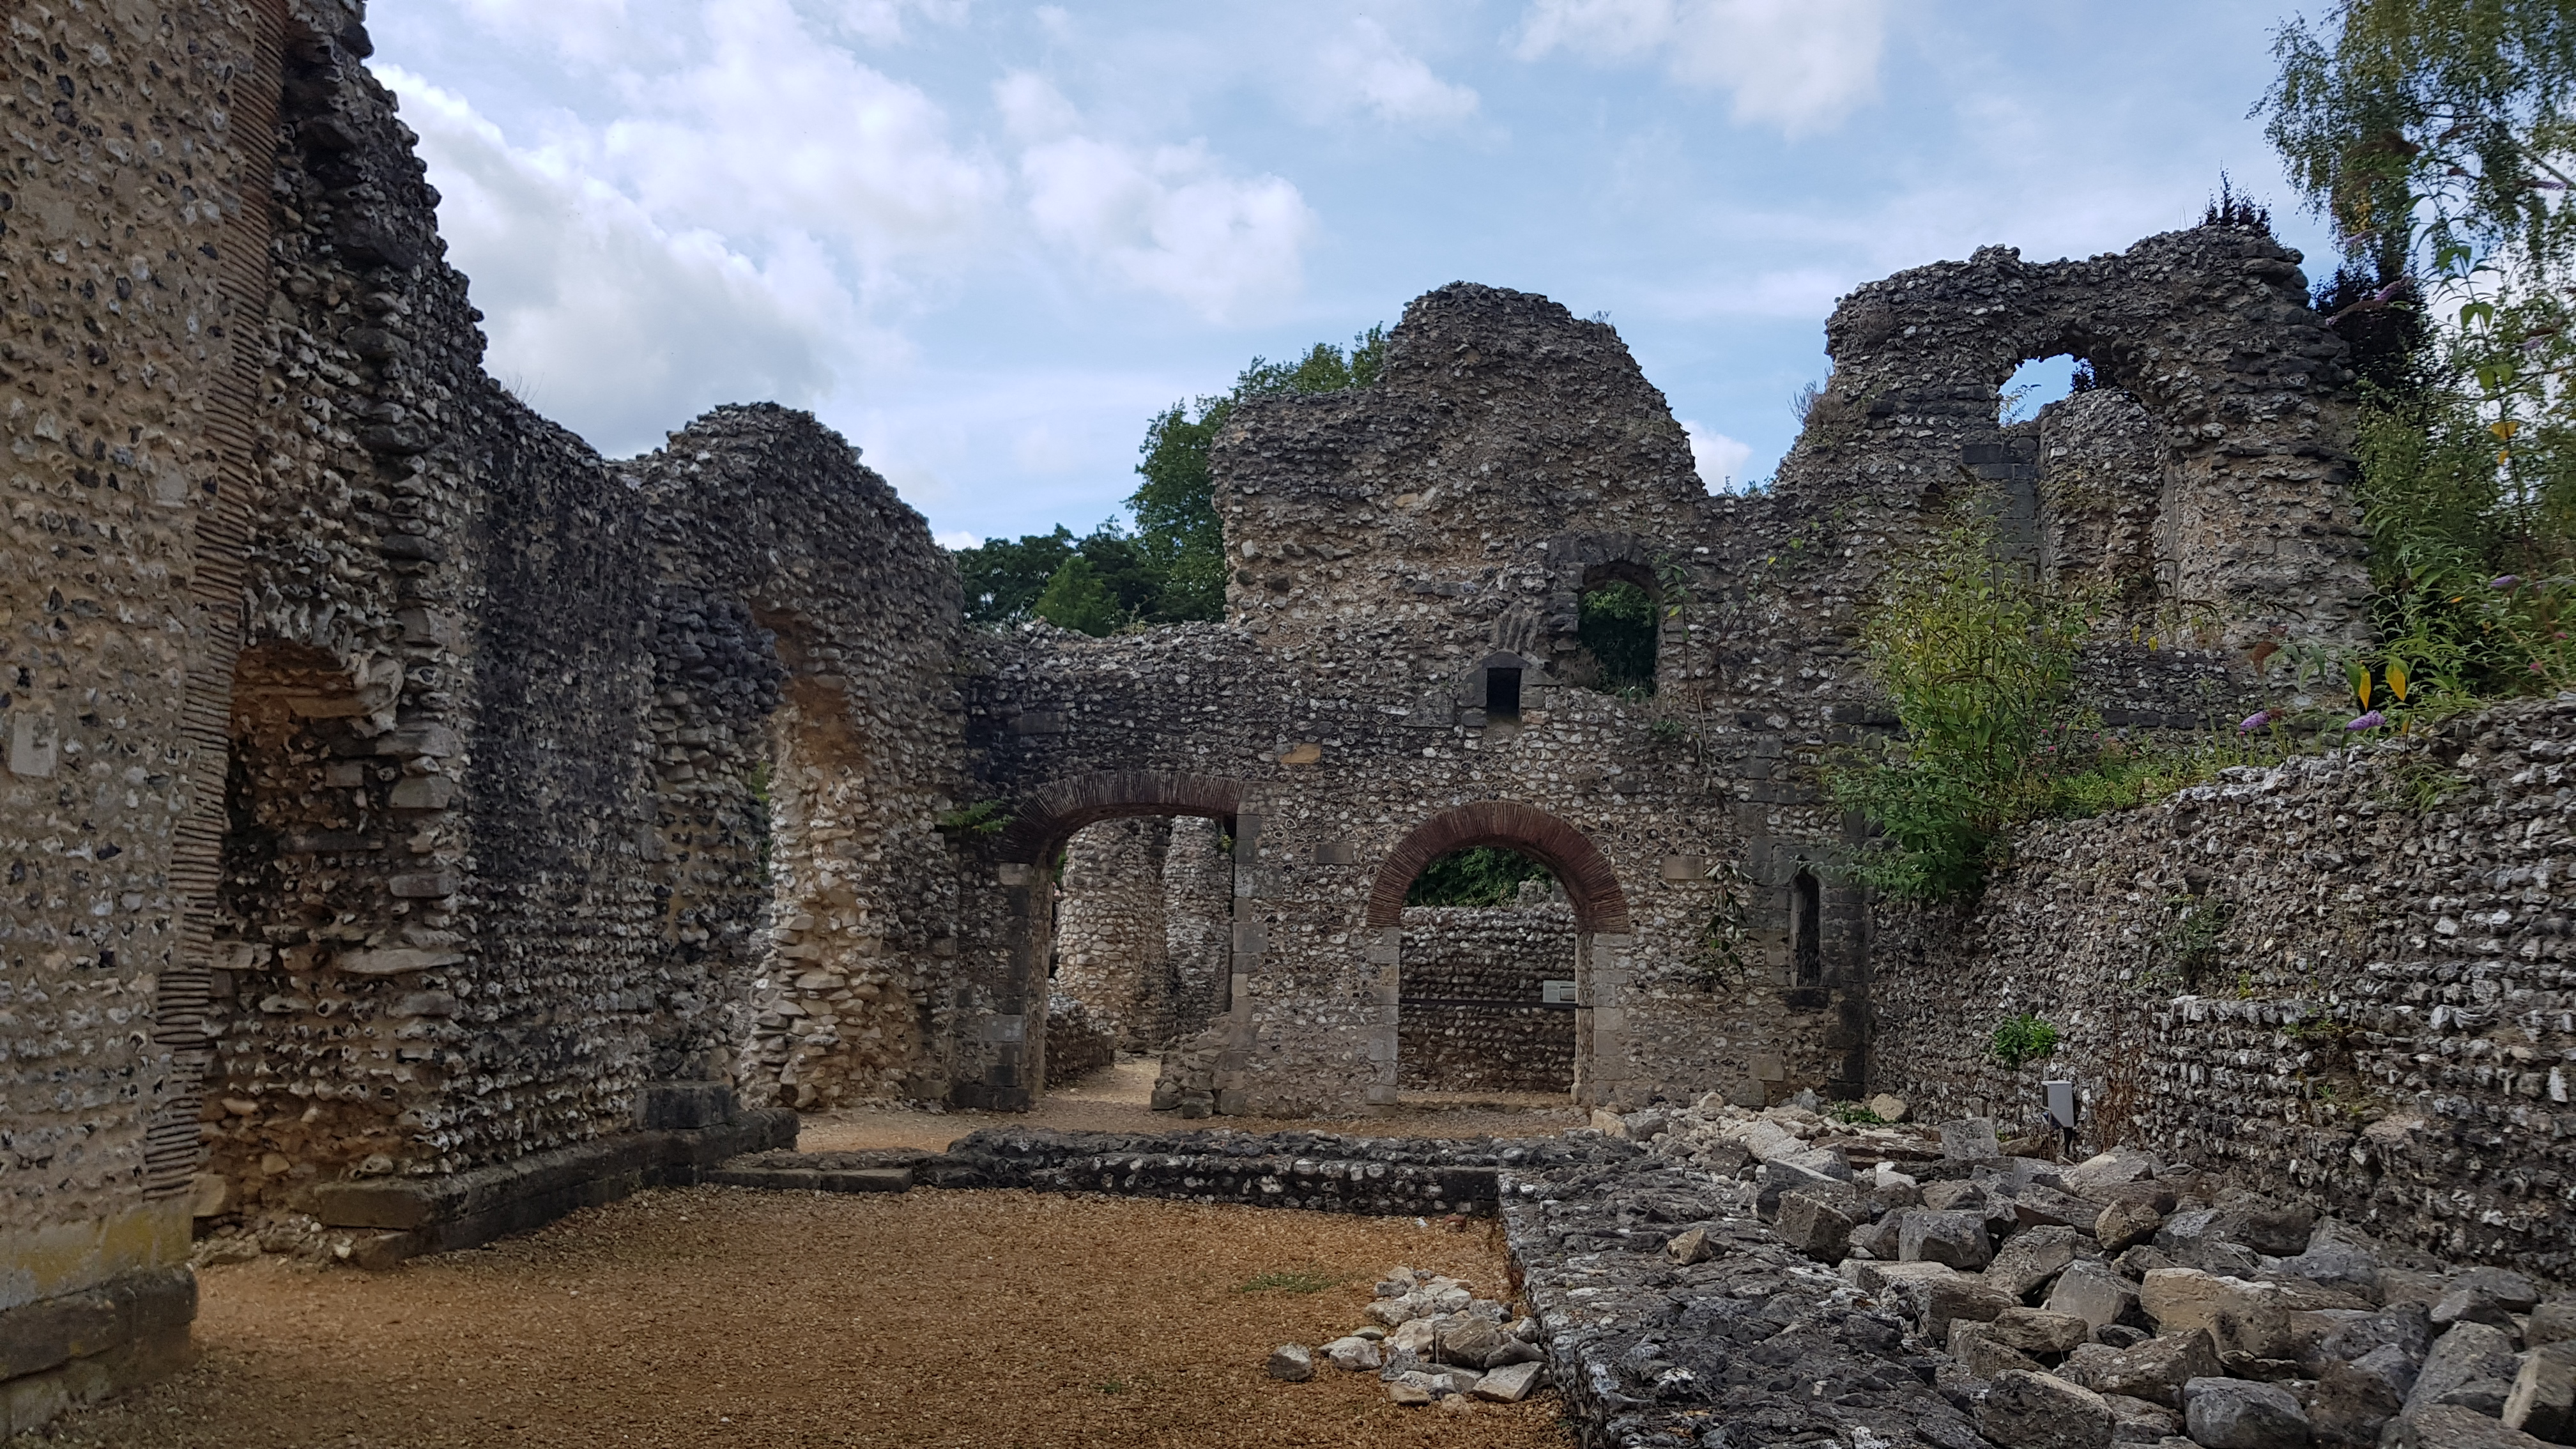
(1502, 695)
(1619, 626)
(1806, 929)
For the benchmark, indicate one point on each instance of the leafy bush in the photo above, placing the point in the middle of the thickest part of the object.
(1981, 666)
(2024, 1038)
(1486, 875)
(984, 817)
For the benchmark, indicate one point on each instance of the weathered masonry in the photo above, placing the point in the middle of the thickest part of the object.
(415, 825)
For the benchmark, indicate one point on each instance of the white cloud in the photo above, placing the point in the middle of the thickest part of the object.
(1721, 459)
(1164, 219)
(584, 30)
(775, 128)
(1032, 108)
(1798, 292)
(602, 319)
(881, 21)
(1366, 66)
(1801, 64)
(956, 538)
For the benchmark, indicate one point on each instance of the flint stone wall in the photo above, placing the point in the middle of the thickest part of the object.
(342, 693)
(2349, 981)
(1111, 946)
(1473, 1017)
(133, 232)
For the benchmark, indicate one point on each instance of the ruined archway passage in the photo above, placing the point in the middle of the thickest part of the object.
(1005, 1068)
(1599, 906)
(1054, 813)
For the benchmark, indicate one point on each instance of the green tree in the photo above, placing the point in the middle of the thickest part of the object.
(1077, 598)
(2418, 125)
(1170, 568)
(1005, 576)
(2433, 133)
(1980, 663)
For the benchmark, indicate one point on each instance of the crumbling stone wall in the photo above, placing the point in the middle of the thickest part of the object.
(2345, 981)
(764, 507)
(383, 682)
(1142, 920)
(1198, 923)
(1473, 1014)
(407, 808)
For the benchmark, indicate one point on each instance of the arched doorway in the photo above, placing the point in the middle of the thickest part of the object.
(1485, 996)
(1141, 920)
(1602, 936)
(1001, 1058)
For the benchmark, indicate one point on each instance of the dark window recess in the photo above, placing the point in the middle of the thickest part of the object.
(1806, 929)
(1502, 694)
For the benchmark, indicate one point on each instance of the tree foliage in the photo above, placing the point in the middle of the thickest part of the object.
(1169, 567)
(1980, 664)
(2418, 125)
(2439, 137)
(1175, 505)
(1484, 875)
(1619, 626)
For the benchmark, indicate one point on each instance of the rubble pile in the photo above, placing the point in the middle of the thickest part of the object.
(2116, 1299)
(1432, 1340)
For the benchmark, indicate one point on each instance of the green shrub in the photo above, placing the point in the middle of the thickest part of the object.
(1484, 875)
(2024, 1038)
(984, 817)
(1981, 666)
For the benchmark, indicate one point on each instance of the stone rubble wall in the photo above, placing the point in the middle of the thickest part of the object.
(530, 747)
(1110, 929)
(458, 783)
(1198, 925)
(2348, 982)
(1077, 1044)
(1204, 702)
(133, 229)
(1473, 1017)
(814, 974)
(1315, 1171)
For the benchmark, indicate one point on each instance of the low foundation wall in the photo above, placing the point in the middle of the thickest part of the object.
(1320, 1172)
(81, 1347)
(692, 1129)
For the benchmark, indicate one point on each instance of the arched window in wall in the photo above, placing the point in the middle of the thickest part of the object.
(1620, 625)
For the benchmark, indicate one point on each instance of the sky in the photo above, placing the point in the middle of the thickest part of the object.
(990, 241)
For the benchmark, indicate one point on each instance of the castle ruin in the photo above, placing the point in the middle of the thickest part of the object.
(415, 820)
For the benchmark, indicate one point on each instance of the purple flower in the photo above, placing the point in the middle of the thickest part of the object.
(2370, 721)
(2505, 581)
(2255, 721)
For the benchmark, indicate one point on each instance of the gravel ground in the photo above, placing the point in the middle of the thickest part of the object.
(744, 1319)
(1113, 1100)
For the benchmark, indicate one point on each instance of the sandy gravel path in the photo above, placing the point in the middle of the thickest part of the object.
(728, 1317)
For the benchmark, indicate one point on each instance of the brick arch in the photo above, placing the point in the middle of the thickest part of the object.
(1056, 811)
(1599, 904)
